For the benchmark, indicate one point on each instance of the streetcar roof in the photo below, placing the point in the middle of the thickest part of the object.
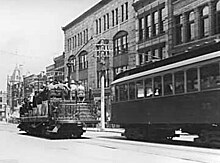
(169, 66)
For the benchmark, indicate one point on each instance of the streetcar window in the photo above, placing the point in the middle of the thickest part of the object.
(148, 87)
(132, 91)
(157, 86)
(168, 84)
(140, 89)
(123, 89)
(116, 93)
(192, 80)
(210, 77)
(179, 82)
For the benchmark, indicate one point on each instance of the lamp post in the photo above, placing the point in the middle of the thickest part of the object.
(101, 55)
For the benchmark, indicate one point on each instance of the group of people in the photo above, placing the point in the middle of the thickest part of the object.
(72, 91)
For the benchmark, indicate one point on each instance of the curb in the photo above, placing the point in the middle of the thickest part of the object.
(113, 130)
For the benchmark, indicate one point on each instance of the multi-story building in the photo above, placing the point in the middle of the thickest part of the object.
(15, 88)
(136, 32)
(112, 23)
(59, 67)
(195, 24)
(55, 71)
(152, 26)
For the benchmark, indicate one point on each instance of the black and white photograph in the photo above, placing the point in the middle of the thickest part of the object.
(110, 81)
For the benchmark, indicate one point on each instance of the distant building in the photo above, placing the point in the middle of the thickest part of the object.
(3, 105)
(15, 88)
(56, 70)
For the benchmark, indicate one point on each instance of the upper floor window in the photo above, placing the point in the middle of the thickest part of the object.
(178, 26)
(152, 24)
(107, 21)
(126, 11)
(190, 26)
(141, 29)
(120, 43)
(217, 17)
(83, 62)
(148, 26)
(113, 18)
(204, 21)
(155, 23)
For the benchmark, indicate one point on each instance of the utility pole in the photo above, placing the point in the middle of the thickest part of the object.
(102, 53)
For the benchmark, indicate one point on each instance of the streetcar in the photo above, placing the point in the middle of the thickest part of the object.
(54, 114)
(178, 93)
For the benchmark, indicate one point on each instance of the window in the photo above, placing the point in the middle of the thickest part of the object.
(192, 80)
(97, 26)
(123, 89)
(104, 22)
(178, 29)
(113, 18)
(140, 89)
(148, 87)
(179, 82)
(148, 26)
(116, 93)
(126, 11)
(155, 23)
(120, 69)
(100, 25)
(168, 84)
(217, 17)
(204, 22)
(120, 44)
(132, 90)
(162, 18)
(116, 16)
(0, 99)
(107, 17)
(83, 63)
(190, 26)
(210, 76)
(122, 13)
(141, 29)
(157, 86)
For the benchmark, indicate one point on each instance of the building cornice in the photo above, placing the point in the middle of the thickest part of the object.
(86, 14)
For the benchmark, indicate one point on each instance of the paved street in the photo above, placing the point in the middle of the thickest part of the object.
(97, 147)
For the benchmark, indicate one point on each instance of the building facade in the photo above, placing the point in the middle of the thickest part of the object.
(135, 32)
(152, 26)
(110, 23)
(194, 24)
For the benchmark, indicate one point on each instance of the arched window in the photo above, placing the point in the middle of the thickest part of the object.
(190, 26)
(204, 19)
(83, 62)
(120, 43)
(217, 17)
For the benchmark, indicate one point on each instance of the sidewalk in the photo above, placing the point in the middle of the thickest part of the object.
(114, 130)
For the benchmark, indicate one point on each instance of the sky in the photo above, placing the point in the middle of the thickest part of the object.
(31, 33)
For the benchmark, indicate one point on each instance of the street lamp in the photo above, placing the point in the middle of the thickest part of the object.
(102, 53)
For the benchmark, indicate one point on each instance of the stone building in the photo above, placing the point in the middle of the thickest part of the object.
(112, 23)
(195, 24)
(152, 26)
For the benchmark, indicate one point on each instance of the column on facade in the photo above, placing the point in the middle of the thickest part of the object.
(197, 23)
(211, 18)
(185, 27)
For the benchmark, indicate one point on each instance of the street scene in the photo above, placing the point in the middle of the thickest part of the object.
(110, 81)
(95, 147)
